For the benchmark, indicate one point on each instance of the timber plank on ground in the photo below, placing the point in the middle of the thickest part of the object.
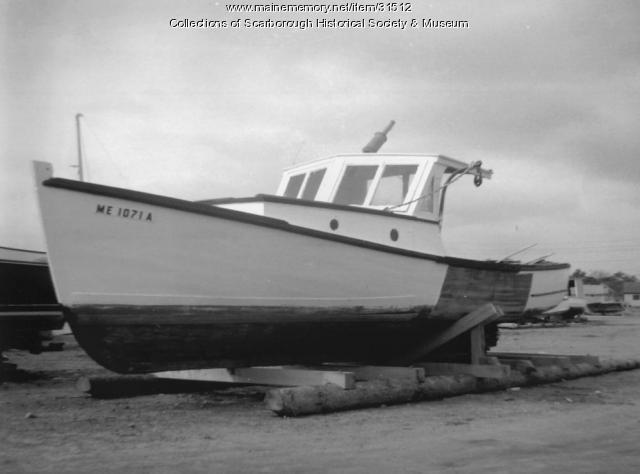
(374, 372)
(265, 376)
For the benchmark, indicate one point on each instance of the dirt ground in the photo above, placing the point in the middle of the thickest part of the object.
(586, 425)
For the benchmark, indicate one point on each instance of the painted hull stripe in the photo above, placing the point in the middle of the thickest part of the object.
(549, 293)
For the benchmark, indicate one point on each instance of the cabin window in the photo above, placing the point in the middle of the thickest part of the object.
(355, 185)
(428, 196)
(433, 193)
(313, 184)
(394, 185)
(293, 186)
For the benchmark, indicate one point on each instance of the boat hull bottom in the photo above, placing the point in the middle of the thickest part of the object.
(142, 340)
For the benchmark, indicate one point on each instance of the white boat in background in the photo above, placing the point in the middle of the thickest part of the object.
(344, 264)
(28, 306)
(548, 289)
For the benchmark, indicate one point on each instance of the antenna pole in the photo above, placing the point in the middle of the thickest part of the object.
(79, 139)
(516, 253)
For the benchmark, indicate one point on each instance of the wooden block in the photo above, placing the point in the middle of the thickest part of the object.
(372, 372)
(266, 376)
(476, 370)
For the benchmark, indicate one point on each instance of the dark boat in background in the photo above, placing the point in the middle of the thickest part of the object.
(28, 305)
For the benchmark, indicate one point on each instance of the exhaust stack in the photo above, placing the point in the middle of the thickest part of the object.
(379, 138)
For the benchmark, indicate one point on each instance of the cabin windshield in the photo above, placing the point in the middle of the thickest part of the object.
(432, 196)
(393, 185)
(428, 198)
(313, 184)
(294, 185)
(308, 184)
(355, 184)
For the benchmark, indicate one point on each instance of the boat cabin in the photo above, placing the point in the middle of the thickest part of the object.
(390, 199)
(412, 185)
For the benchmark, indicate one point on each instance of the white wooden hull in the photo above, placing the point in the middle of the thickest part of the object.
(183, 258)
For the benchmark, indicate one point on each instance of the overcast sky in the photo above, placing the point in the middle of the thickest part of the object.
(545, 93)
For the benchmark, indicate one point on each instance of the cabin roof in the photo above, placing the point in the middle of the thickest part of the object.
(377, 157)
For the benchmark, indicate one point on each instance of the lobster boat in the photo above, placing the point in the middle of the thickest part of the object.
(344, 263)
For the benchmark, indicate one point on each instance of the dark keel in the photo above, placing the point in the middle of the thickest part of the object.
(192, 338)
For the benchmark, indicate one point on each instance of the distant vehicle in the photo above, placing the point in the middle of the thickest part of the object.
(598, 298)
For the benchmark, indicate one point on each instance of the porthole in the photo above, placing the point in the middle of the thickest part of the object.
(393, 234)
(333, 224)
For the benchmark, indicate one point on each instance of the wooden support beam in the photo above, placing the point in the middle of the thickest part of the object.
(481, 316)
(377, 372)
(476, 370)
(265, 376)
(477, 344)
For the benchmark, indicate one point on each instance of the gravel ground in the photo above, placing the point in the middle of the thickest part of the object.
(586, 425)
